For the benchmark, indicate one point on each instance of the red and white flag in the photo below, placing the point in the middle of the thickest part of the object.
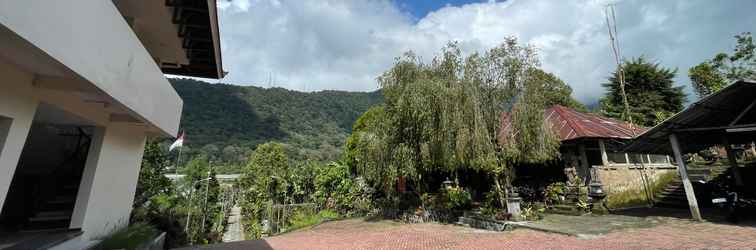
(178, 143)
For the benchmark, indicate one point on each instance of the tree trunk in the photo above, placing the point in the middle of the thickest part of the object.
(501, 195)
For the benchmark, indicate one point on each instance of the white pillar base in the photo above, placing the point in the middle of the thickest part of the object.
(106, 192)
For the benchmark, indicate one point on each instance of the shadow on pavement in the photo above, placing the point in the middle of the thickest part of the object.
(712, 215)
(247, 244)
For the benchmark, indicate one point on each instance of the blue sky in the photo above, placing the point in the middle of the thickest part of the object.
(345, 44)
(419, 8)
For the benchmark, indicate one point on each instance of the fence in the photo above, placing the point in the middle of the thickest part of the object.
(276, 217)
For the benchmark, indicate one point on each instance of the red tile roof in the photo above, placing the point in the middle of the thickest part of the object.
(570, 124)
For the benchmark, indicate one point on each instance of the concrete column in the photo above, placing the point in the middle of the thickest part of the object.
(106, 192)
(604, 156)
(17, 109)
(689, 193)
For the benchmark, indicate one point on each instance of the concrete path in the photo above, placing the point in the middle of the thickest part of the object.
(234, 230)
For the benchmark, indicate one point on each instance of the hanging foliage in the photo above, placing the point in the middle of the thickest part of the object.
(446, 115)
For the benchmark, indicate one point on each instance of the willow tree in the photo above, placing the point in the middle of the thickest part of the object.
(446, 115)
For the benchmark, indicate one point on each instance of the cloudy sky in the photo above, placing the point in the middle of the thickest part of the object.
(344, 45)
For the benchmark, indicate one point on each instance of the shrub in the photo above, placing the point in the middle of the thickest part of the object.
(130, 237)
(554, 193)
(334, 187)
(457, 198)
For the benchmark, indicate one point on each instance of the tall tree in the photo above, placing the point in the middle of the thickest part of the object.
(706, 79)
(152, 181)
(713, 75)
(556, 92)
(651, 93)
(446, 115)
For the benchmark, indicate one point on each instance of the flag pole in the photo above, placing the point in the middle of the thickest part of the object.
(178, 158)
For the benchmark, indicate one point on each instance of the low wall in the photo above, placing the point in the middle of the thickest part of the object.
(623, 178)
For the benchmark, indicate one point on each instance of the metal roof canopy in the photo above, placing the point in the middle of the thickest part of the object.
(197, 23)
(729, 114)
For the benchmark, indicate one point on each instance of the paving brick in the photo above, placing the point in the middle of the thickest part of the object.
(358, 234)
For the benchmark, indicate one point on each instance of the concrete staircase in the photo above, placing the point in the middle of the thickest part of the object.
(673, 195)
(56, 212)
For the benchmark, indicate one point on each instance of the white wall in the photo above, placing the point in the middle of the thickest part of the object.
(17, 108)
(92, 39)
(106, 192)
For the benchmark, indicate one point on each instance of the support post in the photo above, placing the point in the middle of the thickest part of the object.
(108, 183)
(604, 156)
(689, 193)
(583, 162)
(733, 159)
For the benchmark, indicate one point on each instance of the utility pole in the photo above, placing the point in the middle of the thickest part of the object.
(204, 206)
(611, 25)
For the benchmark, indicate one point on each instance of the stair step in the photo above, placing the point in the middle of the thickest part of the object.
(50, 218)
(62, 199)
(672, 198)
(670, 204)
(53, 213)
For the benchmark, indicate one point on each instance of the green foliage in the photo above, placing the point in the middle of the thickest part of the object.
(457, 198)
(155, 200)
(705, 79)
(333, 186)
(649, 89)
(639, 197)
(445, 115)
(306, 218)
(532, 211)
(270, 183)
(226, 122)
(131, 237)
(556, 92)
(266, 178)
(712, 75)
(152, 181)
(554, 193)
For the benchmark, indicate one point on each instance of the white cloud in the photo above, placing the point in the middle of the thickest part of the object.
(345, 45)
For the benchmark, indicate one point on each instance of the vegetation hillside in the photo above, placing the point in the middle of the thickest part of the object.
(226, 122)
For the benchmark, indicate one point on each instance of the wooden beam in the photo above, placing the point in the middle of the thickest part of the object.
(689, 193)
(723, 128)
(736, 130)
(604, 156)
(732, 158)
(745, 111)
(583, 161)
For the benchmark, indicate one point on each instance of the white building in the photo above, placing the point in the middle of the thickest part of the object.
(82, 89)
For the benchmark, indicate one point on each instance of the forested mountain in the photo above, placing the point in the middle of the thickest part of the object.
(228, 121)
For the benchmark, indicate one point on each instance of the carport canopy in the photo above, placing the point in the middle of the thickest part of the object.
(723, 118)
(727, 114)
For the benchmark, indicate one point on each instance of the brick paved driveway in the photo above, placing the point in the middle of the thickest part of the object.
(360, 234)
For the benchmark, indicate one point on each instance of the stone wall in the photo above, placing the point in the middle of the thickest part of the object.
(622, 178)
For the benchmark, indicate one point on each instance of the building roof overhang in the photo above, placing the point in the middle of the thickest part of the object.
(570, 125)
(181, 35)
(729, 114)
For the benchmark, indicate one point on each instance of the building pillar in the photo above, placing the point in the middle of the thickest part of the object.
(689, 193)
(583, 162)
(17, 109)
(733, 159)
(108, 183)
(604, 156)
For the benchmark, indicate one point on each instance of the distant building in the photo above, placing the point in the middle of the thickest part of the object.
(83, 88)
(592, 144)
